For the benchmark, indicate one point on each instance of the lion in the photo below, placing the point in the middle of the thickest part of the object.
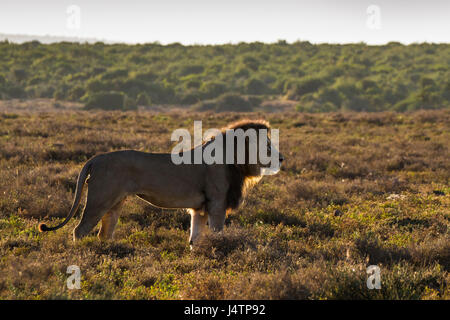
(207, 191)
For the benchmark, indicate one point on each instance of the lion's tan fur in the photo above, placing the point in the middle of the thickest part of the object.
(209, 191)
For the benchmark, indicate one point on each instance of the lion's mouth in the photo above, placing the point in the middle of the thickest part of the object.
(268, 171)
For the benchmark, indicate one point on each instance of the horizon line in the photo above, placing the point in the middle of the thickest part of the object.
(83, 40)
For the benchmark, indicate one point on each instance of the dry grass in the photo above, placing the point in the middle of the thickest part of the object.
(356, 190)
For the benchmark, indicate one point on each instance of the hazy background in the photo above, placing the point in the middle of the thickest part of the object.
(213, 21)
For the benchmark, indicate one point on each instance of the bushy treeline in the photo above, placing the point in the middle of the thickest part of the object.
(321, 77)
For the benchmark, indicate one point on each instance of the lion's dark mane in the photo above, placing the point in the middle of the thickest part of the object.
(240, 175)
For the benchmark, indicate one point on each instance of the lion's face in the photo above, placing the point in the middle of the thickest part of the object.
(276, 158)
(262, 155)
(250, 146)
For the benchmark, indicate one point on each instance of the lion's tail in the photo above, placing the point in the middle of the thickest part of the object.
(76, 202)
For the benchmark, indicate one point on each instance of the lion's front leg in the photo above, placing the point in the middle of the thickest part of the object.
(198, 224)
(216, 215)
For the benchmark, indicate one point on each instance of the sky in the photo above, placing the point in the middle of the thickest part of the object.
(231, 21)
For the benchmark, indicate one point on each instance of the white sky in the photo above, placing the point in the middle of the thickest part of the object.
(225, 21)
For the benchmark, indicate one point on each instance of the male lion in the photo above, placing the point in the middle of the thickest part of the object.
(208, 191)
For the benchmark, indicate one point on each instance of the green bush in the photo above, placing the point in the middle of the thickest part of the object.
(255, 101)
(96, 85)
(191, 97)
(226, 102)
(19, 74)
(303, 87)
(213, 89)
(129, 103)
(356, 103)
(143, 99)
(114, 74)
(315, 107)
(75, 93)
(15, 91)
(408, 104)
(191, 69)
(330, 95)
(346, 76)
(256, 86)
(251, 62)
(241, 72)
(106, 100)
(59, 94)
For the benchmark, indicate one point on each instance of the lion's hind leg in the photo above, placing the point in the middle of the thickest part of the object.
(109, 222)
(97, 205)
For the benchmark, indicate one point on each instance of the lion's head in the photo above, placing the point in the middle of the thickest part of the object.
(248, 167)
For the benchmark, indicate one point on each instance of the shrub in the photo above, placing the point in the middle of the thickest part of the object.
(242, 72)
(368, 84)
(19, 74)
(303, 87)
(130, 103)
(96, 85)
(76, 93)
(256, 86)
(191, 69)
(190, 97)
(59, 94)
(160, 93)
(143, 99)
(15, 91)
(356, 104)
(114, 74)
(255, 101)
(330, 95)
(211, 90)
(251, 62)
(106, 100)
(174, 74)
(407, 104)
(226, 102)
(316, 107)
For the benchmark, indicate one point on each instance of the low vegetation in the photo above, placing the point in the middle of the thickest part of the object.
(323, 77)
(355, 190)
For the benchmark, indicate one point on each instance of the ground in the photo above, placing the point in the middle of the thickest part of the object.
(355, 190)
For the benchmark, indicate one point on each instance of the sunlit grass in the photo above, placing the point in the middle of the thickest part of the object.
(355, 190)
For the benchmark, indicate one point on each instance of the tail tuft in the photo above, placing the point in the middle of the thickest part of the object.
(43, 227)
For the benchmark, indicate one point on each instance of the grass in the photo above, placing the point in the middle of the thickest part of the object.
(355, 190)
